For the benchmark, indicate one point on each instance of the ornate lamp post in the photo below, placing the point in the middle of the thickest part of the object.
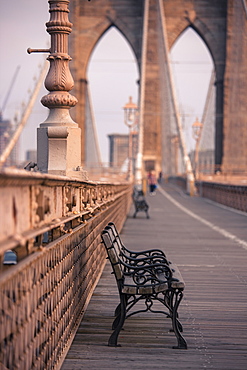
(130, 113)
(59, 144)
(197, 132)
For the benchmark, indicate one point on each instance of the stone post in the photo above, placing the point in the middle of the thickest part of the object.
(59, 137)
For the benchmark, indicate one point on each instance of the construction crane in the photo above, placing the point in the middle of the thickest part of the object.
(9, 91)
(24, 117)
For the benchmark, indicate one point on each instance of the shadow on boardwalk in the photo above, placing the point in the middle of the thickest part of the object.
(211, 253)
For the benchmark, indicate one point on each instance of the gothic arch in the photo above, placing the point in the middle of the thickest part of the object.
(221, 24)
(209, 40)
(123, 30)
(207, 20)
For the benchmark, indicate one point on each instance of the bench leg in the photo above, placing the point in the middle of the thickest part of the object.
(118, 310)
(118, 323)
(169, 299)
(178, 295)
(118, 313)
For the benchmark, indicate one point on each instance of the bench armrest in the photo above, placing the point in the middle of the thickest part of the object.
(146, 260)
(156, 272)
(145, 253)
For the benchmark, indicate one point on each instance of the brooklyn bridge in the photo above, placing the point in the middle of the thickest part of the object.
(61, 278)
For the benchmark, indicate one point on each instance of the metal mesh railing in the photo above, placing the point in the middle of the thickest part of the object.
(44, 296)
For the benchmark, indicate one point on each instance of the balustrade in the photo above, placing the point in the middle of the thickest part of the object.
(234, 196)
(53, 224)
(231, 195)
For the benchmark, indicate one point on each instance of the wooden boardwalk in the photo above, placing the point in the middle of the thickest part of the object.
(209, 245)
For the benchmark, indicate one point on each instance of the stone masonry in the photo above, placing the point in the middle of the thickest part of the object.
(222, 26)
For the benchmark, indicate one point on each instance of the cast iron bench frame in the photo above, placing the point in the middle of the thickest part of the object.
(145, 275)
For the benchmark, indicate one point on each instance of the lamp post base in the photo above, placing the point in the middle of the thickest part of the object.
(59, 151)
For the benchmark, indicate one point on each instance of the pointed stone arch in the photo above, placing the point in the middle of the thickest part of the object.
(90, 21)
(193, 66)
(112, 78)
(221, 24)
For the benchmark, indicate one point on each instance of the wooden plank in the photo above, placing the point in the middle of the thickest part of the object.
(214, 309)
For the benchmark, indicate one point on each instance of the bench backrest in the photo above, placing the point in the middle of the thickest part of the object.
(113, 254)
(137, 194)
(116, 235)
(115, 239)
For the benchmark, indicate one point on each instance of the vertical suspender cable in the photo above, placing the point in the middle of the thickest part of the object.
(94, 133)
(186, 159)
(209, 94)
(245, 7)
(139, 159)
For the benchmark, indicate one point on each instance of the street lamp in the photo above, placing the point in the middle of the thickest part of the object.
(130, 112)
(197, 132)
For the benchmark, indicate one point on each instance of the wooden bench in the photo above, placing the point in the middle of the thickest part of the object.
(147, 277)
(140, 203)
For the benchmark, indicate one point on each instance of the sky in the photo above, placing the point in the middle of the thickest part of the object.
(112, 64)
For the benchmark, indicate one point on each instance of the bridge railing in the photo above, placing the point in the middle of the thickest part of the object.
(53, 225)
(228, 190)
(234, 196)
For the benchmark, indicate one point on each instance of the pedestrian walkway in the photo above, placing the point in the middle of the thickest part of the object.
(209, 244)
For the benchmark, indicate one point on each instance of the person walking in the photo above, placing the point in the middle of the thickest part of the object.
(160, 177)
(152, 182)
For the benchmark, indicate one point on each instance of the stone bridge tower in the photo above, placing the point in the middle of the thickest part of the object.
(222, 26)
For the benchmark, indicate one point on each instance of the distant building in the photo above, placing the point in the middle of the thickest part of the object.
(6, 132)
(31, 156)
(205, 161)
(119, 149)
(119, 144)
